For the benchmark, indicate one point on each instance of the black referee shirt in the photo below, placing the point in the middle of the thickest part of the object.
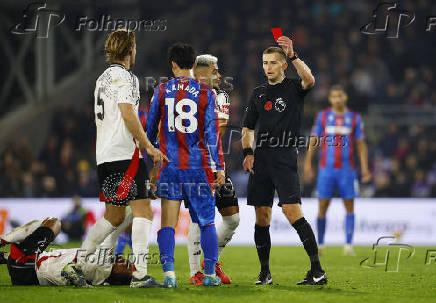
(277, 109)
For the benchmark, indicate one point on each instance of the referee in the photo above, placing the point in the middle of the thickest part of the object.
(276, 108)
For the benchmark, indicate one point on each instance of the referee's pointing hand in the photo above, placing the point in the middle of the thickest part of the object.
(248, 164)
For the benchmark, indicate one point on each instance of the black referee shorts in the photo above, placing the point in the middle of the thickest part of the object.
(275, 169)
(118, 185)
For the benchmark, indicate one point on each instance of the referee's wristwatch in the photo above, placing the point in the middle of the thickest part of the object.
(294, 57)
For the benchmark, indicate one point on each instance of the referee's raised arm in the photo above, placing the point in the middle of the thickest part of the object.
(303, 71)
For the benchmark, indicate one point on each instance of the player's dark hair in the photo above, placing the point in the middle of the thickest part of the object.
(183, 54)
(277, 50)
(337, 87)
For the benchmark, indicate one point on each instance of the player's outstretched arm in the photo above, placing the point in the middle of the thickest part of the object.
(134, 126)
(303, 71)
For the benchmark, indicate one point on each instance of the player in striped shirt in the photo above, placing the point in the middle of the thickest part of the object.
(337, 131)
(207, 72)
(183, 111)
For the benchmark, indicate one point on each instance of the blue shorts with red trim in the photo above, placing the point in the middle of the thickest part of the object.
(344, 180)
(193, 185)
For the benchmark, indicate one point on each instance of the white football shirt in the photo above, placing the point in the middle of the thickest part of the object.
(222, 104)
(114, 141)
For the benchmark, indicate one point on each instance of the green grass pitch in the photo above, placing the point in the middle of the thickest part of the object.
(348, 281)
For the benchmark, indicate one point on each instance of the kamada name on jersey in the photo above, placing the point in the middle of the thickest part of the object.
(180, 86)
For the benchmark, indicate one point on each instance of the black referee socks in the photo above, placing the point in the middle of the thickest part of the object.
(307, 237)
(263, 245)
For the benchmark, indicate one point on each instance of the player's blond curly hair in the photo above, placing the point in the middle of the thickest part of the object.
(119, 44)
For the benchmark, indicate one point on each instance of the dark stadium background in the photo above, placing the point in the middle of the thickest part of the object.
(46, 101)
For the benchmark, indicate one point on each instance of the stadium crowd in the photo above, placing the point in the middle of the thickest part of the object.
(373, 69)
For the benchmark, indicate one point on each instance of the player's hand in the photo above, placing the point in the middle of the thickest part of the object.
(220, 178)
(308, 173)
(287, 45)
(157, 155)
(248, 164)
(153, 181)
(366, 176)
(153, 189)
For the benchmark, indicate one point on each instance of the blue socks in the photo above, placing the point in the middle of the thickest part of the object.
(123, 240)
(209, 244)
(166, 241)
(349, 227)
(320, 224)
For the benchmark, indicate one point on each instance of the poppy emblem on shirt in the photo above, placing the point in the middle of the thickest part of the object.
(268, 105)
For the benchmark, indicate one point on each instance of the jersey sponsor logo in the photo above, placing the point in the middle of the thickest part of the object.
(342, 130)
(225, 109)
(280, 105)
(268, 105)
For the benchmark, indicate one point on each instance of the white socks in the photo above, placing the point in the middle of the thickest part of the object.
(226, 230)
(140, 237)
(194, 248)
(96, 235)
(110, 241)
(20, 233)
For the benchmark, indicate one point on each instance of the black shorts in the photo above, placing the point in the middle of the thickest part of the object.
(275, 169)
(120, 182)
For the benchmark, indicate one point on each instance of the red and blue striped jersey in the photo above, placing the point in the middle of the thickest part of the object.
(183, 110)
(337, 138)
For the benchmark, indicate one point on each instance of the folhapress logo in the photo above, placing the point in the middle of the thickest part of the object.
(388, 255)
(38, 19)
(387, 19)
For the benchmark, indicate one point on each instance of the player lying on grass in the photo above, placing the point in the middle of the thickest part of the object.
(336, 165)
(182, 110)
(207, 72)
(30, 264)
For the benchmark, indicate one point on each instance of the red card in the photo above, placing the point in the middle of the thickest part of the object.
(277, 32)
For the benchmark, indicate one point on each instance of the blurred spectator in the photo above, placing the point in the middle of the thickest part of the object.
(326, 35)
(73, 224)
